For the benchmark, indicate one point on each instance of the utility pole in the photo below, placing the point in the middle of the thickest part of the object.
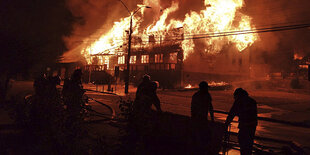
(128, 58)
(127, 77)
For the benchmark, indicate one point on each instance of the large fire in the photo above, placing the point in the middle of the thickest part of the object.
(217, 17)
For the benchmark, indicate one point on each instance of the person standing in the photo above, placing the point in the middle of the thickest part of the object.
(73, 93)
(246, 109)
(146, 96)
(201, 105)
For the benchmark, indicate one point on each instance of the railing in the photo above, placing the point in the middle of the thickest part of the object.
(296, 124)
(291, 144)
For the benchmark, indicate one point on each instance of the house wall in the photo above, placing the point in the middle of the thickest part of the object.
(229, 65)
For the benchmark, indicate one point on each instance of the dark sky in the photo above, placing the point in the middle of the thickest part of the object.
(37, 19)
(31, 32)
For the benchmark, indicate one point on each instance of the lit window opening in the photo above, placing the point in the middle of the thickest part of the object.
(133, 59)
(145, 59)
(159, 58)
(121, 60)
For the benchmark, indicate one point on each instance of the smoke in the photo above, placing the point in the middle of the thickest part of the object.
(278, 48)
(97, 18)
(273, 48)
(98, 14)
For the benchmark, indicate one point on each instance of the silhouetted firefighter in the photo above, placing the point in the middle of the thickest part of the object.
(40, 84)
(200, 106)
(45, 102)
(73, 93)
(143, 121)
(246, 109)
(146, 96)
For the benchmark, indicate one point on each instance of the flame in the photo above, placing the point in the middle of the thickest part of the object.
(211, 84)
(297, 57)
(218, 16)
(160, 24)
(188, 86)
(215, 84)
(107, 42)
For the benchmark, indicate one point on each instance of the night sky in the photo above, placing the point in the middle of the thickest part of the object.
(46, 29)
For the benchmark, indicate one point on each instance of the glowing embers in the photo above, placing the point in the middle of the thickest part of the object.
(212, 86)
(188, 86)
(297, 57)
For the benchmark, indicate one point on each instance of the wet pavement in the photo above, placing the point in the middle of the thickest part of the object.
(271, 104)
(282, 105)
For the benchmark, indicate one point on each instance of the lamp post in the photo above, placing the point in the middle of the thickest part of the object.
(129, 44)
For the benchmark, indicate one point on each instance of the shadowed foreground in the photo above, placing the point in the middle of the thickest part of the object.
(167, 133)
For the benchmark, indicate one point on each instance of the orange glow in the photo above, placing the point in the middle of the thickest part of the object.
(297, 57)
(188, 86)
(215, 84)
(218, 16)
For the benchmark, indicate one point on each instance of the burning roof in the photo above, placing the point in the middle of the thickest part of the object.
(216, 16)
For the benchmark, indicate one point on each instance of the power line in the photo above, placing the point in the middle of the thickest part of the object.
(228, 33)
(253, 30)
(278, 25)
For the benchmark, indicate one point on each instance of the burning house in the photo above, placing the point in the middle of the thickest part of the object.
(201, 45)
(163, 61)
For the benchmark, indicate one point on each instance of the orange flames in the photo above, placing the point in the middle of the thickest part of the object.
(188, 86)
(218, 16)
(297, 57)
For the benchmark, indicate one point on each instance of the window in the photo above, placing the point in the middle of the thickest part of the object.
(173, 57)
(95, 60)
(145, 59)
(106, 62)
(101, 61)
(133, 59)
(121, 60)
(159, 58)
(172, 67)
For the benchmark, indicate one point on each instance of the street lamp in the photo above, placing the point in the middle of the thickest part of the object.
(129, 43)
